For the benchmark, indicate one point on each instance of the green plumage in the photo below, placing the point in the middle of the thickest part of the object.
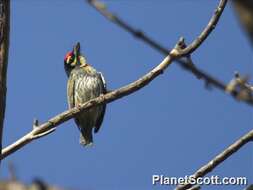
(84, 84)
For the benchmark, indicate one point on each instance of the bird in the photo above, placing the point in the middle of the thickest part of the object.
(84, 83)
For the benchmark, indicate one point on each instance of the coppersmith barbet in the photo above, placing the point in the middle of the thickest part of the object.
(84, 83)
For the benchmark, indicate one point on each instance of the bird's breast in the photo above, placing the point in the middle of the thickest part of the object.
(87, 87)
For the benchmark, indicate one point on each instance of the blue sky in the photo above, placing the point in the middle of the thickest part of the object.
(171, 127)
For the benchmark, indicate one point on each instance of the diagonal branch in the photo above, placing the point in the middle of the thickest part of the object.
(51, 124)
(220, 158)
(191, 48)
(4, 49)
(185, 64)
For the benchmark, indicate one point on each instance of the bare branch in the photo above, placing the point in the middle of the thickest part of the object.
(241, 85)
(101, 8)
(185, 64)
(205, 33)
(220, 158)
(49, 126)
(209, 80)
(43, 133)
(195, 187)
(4, 49)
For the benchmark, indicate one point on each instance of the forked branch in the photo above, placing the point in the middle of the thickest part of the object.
(176, 53)
(244, 93)
(184, 63)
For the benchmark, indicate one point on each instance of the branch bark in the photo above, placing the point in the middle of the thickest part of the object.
(49, 126)
(185, 64)
(101, 8)
(4, 49)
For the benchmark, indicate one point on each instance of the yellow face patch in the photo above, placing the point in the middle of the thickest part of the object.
(82, 60)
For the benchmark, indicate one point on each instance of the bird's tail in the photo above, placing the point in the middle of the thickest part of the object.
(86, 138)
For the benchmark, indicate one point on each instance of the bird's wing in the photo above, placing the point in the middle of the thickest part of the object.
(71, 91)
(103, 87)
(103, 80)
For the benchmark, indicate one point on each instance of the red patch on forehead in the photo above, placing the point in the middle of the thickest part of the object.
(69, 54)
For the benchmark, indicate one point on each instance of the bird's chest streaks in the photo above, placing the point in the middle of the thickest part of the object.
(86, 88)
(84, 84)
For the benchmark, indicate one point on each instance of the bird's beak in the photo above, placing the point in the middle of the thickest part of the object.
(76, 52)
(77, 49)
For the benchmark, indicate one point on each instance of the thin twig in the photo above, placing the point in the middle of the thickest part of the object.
(220, 158)
(185, 64)
(195, 187)
(208, 29)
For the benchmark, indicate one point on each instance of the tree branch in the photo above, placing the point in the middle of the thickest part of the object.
(208, 29)
(4, 49)
(49, 126)
(185, 64)
(220, 158)
(185, 52)
(238, 82)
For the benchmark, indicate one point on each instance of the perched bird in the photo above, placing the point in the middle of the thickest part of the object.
(84, 83)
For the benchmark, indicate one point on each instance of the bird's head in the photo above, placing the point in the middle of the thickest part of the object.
(73, 59)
